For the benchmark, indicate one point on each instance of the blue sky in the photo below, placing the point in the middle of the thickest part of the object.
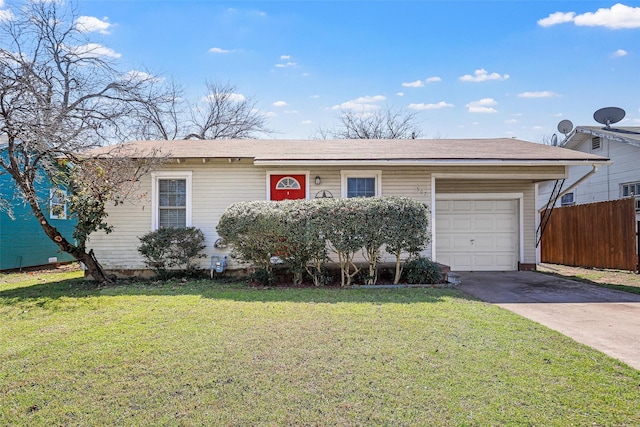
(469, 69)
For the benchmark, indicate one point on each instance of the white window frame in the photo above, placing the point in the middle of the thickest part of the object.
(632, 186)
(52, 192)
(346, 174)
(155, 209)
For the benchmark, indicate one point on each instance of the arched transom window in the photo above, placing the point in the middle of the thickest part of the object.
(288, 183)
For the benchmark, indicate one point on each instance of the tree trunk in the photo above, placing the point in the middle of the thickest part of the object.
(396, 279)
(76, 251)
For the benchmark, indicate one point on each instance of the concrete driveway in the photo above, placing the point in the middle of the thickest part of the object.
(605, 319)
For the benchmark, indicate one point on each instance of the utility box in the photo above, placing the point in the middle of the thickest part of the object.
(218, 264)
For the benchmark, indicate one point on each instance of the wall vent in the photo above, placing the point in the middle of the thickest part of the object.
(596, 143)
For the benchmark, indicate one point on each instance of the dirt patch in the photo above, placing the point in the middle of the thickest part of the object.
(609, 277)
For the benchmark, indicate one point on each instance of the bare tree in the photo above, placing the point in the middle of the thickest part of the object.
(162, 114)
(224, 114)
(387, 124)
(60, 95)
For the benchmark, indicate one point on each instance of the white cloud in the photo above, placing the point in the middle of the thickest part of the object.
(284, 57)
(307, 122)
(437, 106)
(538, 128)
(484, 106)
(5, 15)
(619, 53)
(220, 50)
(233, 97)
(417, 83)
(558, 115)
(280, 104)
(314, 96)
(433, 79)
(541, 94)
(482, 75)
(556, 18)
(511, 121)
(89, 24)
(400, 93)
(141, 76)
(291, 112)
(619, 16)
(268, 114)
(93, 50)
(286, 65)
(363, 103)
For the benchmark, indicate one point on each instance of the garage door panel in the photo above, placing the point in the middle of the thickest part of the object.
(483, 205)
(477, 235)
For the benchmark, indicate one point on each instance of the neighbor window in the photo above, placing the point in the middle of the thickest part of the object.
(631, 189)
(57, 203)
(172, 200)
(361, 183)
(568, 199)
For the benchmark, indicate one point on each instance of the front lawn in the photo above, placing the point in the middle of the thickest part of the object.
(199, 353)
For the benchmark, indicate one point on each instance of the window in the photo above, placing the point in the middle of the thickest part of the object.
(631, 189)
(57, 203)
(171, 200)
(288, 183)
(361, 183)
(596, 143)
(567, 200)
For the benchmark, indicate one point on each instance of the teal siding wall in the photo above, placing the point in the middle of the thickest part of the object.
(22, 241)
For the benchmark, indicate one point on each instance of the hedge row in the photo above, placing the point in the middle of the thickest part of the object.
(303, 233)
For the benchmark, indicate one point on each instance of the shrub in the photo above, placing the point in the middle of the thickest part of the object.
(421, 270)
(302, 232)
(168, 248)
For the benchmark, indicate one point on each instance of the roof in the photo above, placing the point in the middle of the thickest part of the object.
(627, 134)
(358, 151)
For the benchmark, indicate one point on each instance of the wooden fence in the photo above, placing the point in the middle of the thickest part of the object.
(601, 235)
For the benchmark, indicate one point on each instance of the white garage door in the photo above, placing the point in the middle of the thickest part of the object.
(477, 235)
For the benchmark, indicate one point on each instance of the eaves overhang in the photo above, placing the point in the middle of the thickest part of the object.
(431, 162)
(611, 135)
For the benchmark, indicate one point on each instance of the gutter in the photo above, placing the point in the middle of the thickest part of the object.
(429, 162)
(575, 184)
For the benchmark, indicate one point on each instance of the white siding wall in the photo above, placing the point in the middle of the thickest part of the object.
(605, 183)
(217, 184)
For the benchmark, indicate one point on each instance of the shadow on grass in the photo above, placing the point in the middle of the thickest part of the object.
(79, 288)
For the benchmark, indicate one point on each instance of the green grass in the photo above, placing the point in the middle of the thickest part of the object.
(199, 353)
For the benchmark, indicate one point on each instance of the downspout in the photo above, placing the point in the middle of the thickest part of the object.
(575, 184)
(580, 181)
(546, 214)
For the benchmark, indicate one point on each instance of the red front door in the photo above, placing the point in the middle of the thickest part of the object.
(288, 187)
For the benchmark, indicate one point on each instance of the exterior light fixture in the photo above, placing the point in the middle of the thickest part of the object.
(317, 179)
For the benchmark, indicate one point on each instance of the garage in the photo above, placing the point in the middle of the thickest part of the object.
(477, 235)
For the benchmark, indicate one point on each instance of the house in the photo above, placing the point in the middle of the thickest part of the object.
(22, 241)
(620, 180)
(481, 192)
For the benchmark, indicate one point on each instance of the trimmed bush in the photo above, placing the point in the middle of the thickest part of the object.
(172, 248)
(301, 233)
(421, 270)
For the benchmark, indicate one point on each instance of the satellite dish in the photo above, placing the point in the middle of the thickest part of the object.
(565, 126)
(554, 140)
(609, 115)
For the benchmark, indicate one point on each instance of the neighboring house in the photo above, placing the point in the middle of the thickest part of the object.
(22, 241)
(620, 180)
(481, 192)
